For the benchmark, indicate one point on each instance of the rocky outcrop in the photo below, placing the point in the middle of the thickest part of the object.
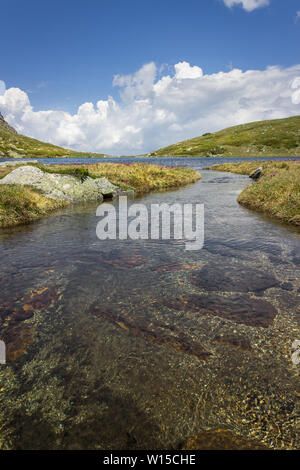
(64, 187)
(256, 174)
(105, 187)
(6, 126)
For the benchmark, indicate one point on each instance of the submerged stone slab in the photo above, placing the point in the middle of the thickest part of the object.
(234, 340)
(40, 299)
(17, 338)
(173, 266)
(16, 334)
(153, 335)
(237, 308)
(122, 258)
(233, 278)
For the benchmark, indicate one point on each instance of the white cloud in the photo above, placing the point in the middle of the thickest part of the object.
(137, 85)
(184, 70)
(298, 15)
(248, 5)
(154, 112)
(2, 87)
(296, 94)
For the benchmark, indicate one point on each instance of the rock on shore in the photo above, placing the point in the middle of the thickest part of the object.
(64, 187)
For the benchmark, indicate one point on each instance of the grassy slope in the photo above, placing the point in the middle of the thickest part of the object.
(280, 137)
(23, 204)
(276, 193)
(19, 146)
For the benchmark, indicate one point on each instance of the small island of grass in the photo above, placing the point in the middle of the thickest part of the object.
(23, 204)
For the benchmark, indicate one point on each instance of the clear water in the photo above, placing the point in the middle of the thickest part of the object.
(143, 345)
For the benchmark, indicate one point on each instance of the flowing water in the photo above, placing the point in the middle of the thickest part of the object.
(144, 345)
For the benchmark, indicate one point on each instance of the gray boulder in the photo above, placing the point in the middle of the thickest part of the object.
(105, 187)
(256, 174)
(56, 186)
(129, 193)
(110, 190)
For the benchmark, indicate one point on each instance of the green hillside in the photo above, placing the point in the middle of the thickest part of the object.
(279, 137)
(18, 146)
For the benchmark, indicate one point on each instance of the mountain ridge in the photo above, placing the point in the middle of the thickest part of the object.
(14, 145)
(5, 125)
(277, 137)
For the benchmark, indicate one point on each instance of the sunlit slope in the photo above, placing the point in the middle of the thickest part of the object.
(279, 137)
(19, 146)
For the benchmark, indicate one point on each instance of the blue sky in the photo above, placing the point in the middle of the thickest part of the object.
(65, 53)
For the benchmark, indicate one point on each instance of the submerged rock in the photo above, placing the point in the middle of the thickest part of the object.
(17, 339)
(234, 340)
(236, 308)
(120, 258)
(16, 334)
(234, 278)
(41, 298)
(173, 266)
(64, 187)
(153, 335)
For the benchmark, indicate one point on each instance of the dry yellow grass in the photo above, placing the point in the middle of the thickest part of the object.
(142, 177)
(21, 204)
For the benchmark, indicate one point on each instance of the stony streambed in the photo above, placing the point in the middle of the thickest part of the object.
(141, 344)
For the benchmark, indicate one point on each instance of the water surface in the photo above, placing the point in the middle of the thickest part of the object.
(142, 344)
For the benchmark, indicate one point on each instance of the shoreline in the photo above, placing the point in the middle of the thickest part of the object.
(276, 193)
(7, 158)
(23, 203)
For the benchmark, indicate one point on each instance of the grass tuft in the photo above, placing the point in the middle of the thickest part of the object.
(22, 204)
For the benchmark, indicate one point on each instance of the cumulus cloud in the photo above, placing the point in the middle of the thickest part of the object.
(298, 15)
(296, 94)
(137, 85)
(248, 5)
(154, 111)
(184, 70)
(2, 87)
